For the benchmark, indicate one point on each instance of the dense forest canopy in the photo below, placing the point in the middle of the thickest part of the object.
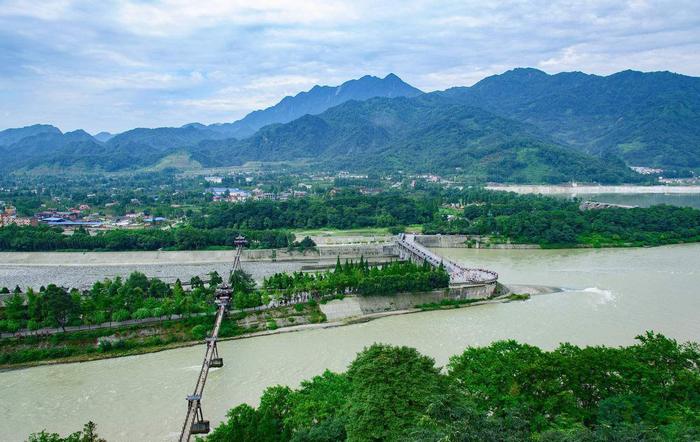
(45, 238)
(342, 211)
(506, 391)
(559, 222)
(502, 216)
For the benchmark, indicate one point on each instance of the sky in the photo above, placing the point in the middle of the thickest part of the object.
(112, 65)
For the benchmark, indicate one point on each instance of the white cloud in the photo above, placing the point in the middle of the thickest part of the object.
(169, 62)
(43, 10)
(176, 17)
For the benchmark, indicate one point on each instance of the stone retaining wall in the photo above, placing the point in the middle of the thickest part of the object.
(382, 250)
(355, 306)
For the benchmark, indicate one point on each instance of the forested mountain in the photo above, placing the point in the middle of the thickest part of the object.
(315, 101)
(163, 139)
(424, 134)
(523, 125)
(44, 145)
(648, 119)
(77, 149)
(11, 136)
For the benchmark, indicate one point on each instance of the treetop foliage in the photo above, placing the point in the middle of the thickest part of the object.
(506, 391)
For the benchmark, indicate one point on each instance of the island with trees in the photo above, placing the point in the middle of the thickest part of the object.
(506, 391)
(104, 321)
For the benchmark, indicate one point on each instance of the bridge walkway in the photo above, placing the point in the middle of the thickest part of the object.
(409, 247)
(194, 421)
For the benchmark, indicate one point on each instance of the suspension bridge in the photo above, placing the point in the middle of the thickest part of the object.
(408, 248)
(194, 421)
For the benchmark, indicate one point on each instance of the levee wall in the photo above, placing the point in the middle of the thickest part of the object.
(356, 306)
(384, 250)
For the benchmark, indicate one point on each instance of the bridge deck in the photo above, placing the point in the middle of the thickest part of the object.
(194, 406)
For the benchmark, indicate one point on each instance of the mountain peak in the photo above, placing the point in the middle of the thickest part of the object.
(103, 136)
(11, 136)
(317, 100)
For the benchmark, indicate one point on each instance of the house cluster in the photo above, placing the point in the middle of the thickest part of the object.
(235, 195)
(72, 218)
(9, 216)
(643, 170)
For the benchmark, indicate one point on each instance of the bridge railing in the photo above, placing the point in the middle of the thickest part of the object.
(458, 273)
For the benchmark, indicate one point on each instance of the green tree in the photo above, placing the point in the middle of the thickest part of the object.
(60, 305)
(89, 434)
(215, 279)
(391, 386)
(14, 307)
(241, 281)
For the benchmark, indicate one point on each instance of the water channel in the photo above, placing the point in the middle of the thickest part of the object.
(611, 295)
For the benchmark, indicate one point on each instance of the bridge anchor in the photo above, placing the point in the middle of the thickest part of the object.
(216, 360)
(199, 425)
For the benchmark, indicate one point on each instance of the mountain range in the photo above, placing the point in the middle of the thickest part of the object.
(522, 125)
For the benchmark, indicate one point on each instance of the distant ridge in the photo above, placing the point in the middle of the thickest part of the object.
(103, 136)
(427, 133)
(520, 126)
(317, 100)
(646, 118)
(11, 136)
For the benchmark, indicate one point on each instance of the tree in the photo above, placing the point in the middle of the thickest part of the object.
(89, 434)
(60, 305)
(14, 307)
(241, 281)
(391, 386)
(196, 282)
(215, 279)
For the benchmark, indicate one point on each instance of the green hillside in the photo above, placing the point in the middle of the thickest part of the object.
(648, 119)
(422, 134)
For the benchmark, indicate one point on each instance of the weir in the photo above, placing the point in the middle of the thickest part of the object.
(408, 247)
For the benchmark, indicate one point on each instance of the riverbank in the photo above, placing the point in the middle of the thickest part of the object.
(516, 292)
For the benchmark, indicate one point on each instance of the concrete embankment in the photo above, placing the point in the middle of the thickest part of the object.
(358, 306)
(377, 250)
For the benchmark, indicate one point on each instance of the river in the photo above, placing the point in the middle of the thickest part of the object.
(683, 196)
(612, 295)
(643, 199)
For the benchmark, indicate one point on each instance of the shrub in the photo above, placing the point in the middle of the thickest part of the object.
(120, 315)
(199, 332)
(142, 313)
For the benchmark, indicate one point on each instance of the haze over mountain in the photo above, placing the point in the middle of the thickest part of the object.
(103, 136)
(11, 136)
(523, 125)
